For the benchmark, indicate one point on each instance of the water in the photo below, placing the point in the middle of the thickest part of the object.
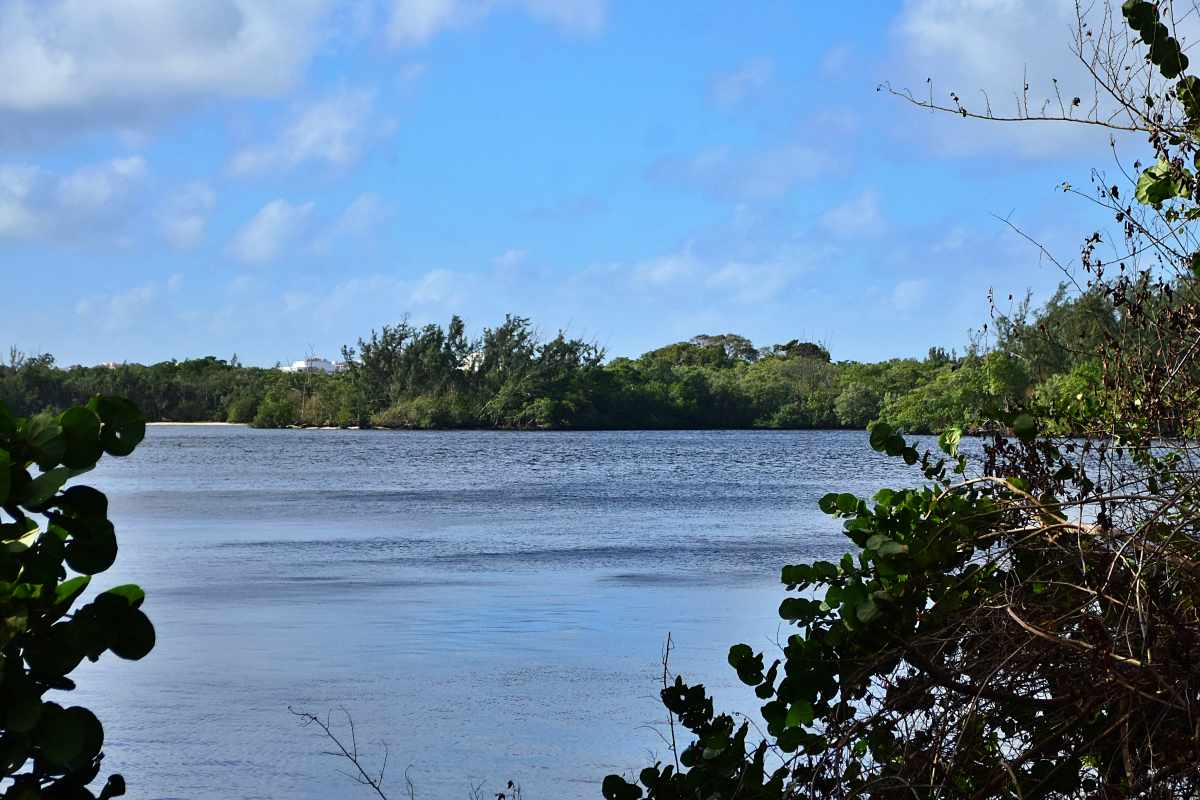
(491, 605)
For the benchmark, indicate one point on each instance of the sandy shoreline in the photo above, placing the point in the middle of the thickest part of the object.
(207, 424)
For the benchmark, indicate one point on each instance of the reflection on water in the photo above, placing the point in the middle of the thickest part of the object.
(492, 605)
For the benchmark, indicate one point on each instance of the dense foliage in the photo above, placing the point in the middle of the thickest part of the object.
(52, 541)
(434, 377)
(1026, 624)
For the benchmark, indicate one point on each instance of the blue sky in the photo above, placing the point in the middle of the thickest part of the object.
(183, 178)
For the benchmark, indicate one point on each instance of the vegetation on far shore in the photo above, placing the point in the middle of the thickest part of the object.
(434, 377)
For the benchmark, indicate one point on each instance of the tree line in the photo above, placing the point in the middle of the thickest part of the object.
(407, 376)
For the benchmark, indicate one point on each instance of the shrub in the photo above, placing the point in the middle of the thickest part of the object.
(277, 410)
(54, 540)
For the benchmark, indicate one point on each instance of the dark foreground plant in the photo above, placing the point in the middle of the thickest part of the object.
(991, 638)
(52, 540)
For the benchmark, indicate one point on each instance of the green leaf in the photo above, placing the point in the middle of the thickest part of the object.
(93, 733)
(68, 736)
(1160, 183)
(134, 637)
(43, 487)
(84, 501)
(867, 610)
(81, 432)
(57, 736)
(739, 652)
(1188, 90)
(1139, 14)
(949, 440)
(1025, 427)
(56, 652)
(794, 574)
(22, 711)
(44, 436)
(93, 553)
(113, 787)
(880, 433)
(615, 787)
(68, 591)
(124, 426)
(18, 541)
(847, 503)
(5, 475)
(800, 713)
(131, 594)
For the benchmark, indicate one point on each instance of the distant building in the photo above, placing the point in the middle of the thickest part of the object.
(311, 364)
(472, 362)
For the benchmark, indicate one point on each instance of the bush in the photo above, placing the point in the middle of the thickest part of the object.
(242, 409)
(423, 413)
(52, 533)
(277, 410)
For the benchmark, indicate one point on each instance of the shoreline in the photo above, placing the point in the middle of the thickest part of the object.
(206, 424)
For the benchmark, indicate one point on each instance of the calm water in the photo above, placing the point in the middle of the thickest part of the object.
(491, 605)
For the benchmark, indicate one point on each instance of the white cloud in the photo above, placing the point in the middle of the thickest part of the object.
(665, 270)
(391, 294)
(17, 189)
(185, 217)
(990, 43)
(511, 258)
(295, 301)
(119, 310)
(360, 217)
(740, 280)
(984, 51)
(858, 216)
(273, 228)
(74, 65)
(333, 130)
(410, 73)
(837, 60)
(417, 21)
(364, 213)
(909, 294)
(751, 283)
(92, 200)
(731, 88)
(759, 175)
(437, 287)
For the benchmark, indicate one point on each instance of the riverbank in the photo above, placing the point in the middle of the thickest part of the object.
(201, 424)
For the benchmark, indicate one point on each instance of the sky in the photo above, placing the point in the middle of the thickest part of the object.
(182, 178)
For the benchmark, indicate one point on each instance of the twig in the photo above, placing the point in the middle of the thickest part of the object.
(363, 777)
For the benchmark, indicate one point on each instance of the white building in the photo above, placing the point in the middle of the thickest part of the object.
(311, 364)
(472, 362)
